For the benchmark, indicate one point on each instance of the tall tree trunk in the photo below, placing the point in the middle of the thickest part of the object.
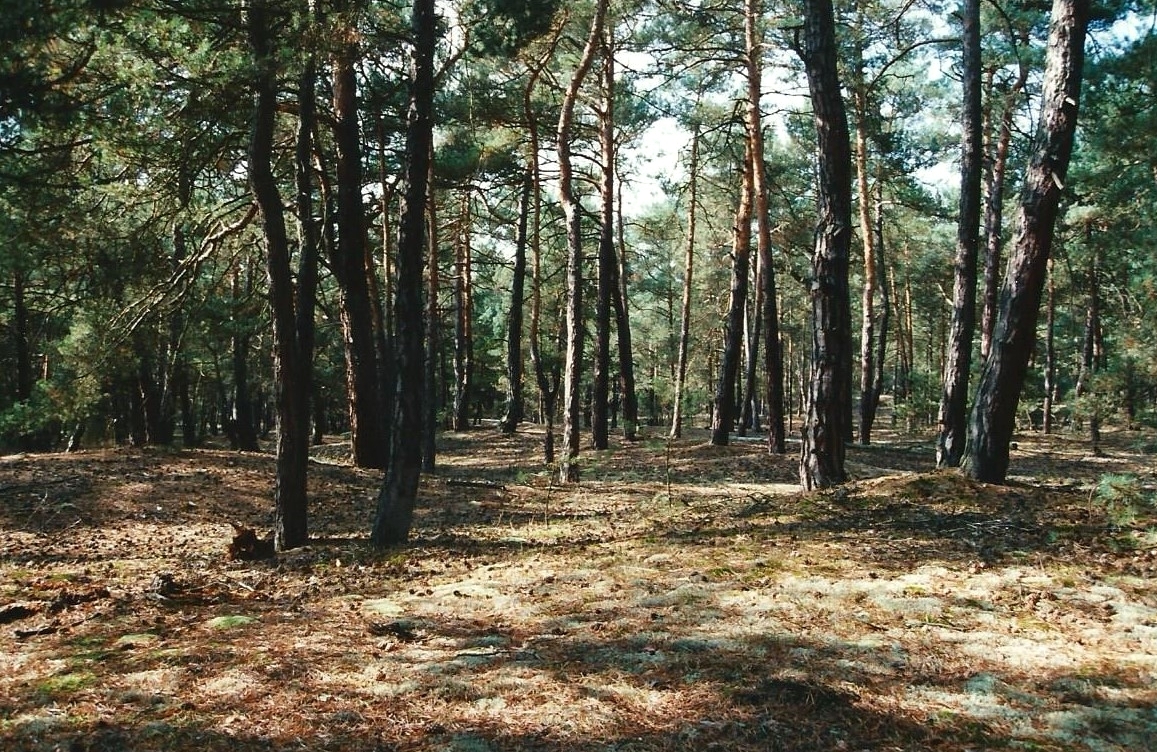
(1092, 347)
(546, 377)
(572, 386)
(290, 525)
(619, 282)
(868, 238)
(399, 490)
(953, 418)
(753, 325)
(362, 376)
(431, 398)
(876, 389)
(1050, 351)
(994, 214)
(463, 319)
(688, 272)
(829, 388)
(513, 414)
(608, 261)
(724, 415)
(994, 411)
(768, 310)
(309, 243)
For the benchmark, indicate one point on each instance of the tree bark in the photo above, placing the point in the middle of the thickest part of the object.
(608, 261)
(399, 491)
(620, 272)
(431, 398)
(572, 386)
(724, 415)
(829, 388)
(994, 411)
(362, 375)
(513, 414)
(994, 214)
(463, 318)
(290, 525)
(1050, 352)
(953, 418)
(688, 272)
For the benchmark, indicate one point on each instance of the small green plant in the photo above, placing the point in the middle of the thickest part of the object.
(1121, 497)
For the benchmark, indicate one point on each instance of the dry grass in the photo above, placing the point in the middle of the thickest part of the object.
(681, 597)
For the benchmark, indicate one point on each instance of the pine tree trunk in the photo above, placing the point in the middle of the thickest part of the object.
(362, 375)
(290, 516)
(399, 491)
(463, 318)
(768, 308)
(829, 388)
(1050, 351)
(724, 415)
(430, 399)
(867, 234)
(513, 414)
(619, 283)
(953, 417)
(994, 411)
(601, 378)
(572, 385)
(688, 272)
(994, 214)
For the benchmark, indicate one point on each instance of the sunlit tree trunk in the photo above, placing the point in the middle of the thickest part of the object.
(994, 412)
(430, 397)
(608, 260)
(463, 318)
(572, 386)
(724, 414)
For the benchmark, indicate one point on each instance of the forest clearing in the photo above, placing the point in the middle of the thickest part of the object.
(682, 596)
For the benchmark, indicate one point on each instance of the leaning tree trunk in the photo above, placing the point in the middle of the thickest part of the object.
(994, 411)
(399, 492)
(954, 397)
(828, 396)
(736, 309)
(290, 525)
(688, 270)
(572, 386)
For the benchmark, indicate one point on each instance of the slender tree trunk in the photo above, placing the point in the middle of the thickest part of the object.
(1050, 351)
(572, 386)
(829, 388)
(362, 375)
(399, 491)
(513, 414)
(430, 398)
(309, 242)
(619, 283)
(547, 377)
(953, 418)
(872, 397)
(753, 325)
(1092, 347)
(736, 310)
(463, 318)
(688, 272)
(867, 234)
(994, 411)
(290, 525)
(994, 214)
(768, 309)
(601, 379)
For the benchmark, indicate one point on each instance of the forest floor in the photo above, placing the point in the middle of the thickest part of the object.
(681, 597)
